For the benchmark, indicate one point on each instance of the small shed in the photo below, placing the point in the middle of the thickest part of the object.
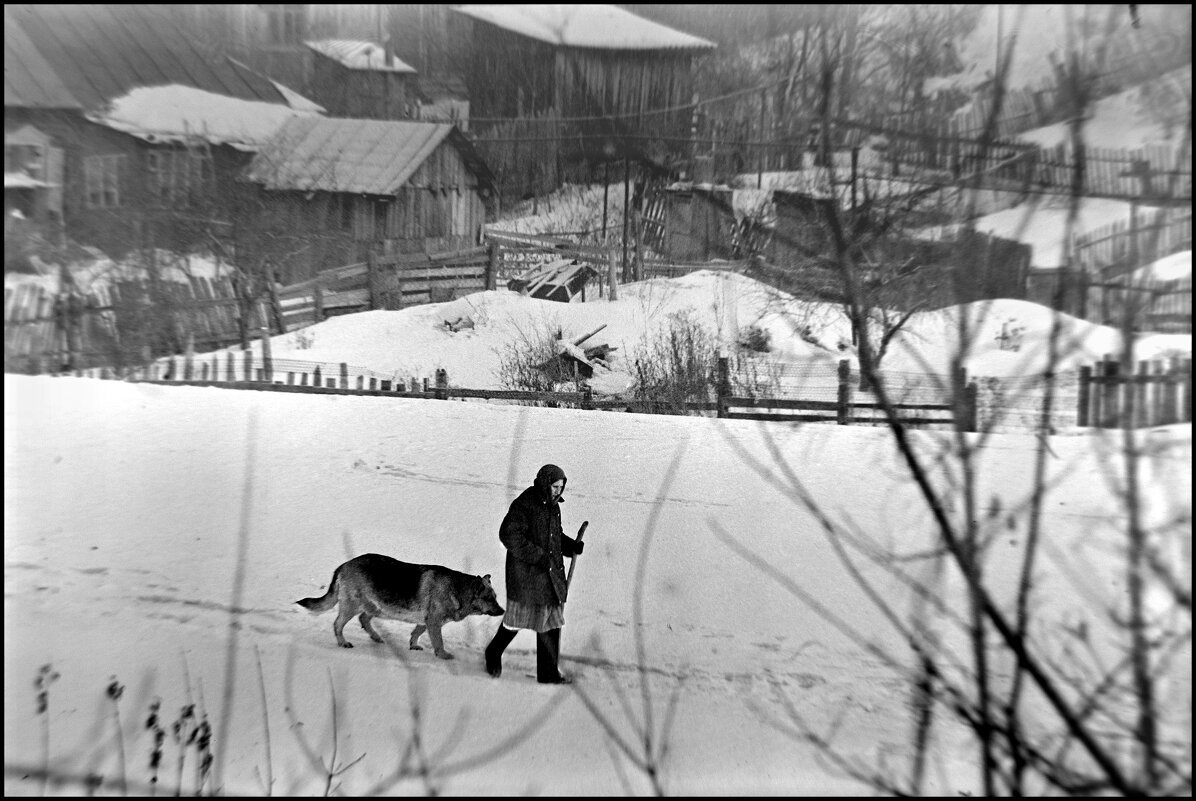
(354, 78)
(330, 191)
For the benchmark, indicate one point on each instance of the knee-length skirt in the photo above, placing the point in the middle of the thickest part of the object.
(537, 617)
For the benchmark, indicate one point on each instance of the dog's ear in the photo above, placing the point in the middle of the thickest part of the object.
(486, 577)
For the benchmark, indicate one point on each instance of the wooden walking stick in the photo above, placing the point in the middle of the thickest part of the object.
(573, 559)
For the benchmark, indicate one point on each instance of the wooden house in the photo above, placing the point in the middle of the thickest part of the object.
(64, 68)
(331, 191)
(532, 70)
(354, 78)
(578, 60)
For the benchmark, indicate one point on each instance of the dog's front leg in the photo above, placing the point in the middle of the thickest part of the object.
(437, 640)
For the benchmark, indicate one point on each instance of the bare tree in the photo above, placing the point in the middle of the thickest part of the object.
(1080, 707)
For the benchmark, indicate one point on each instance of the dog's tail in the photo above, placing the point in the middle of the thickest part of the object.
(325, 601)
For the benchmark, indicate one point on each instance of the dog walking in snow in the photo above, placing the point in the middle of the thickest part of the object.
(375, 586)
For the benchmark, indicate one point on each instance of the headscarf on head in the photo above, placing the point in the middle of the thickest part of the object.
(547, 476)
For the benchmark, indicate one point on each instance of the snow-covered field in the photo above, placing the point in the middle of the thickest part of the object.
(804, 336)
(161, 535)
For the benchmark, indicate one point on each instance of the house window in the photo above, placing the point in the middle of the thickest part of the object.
(179, 176)
(287, 23)
(101, 181)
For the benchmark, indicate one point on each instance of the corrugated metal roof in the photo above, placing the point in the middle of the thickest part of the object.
(597, 26)
(358, 55)
(29, 80)
(372, 157)
(99, 52)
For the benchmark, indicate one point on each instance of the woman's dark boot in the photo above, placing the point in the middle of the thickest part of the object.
(502, 638)
(548, 649)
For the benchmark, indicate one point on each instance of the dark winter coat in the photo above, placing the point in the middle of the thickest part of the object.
(536, 545)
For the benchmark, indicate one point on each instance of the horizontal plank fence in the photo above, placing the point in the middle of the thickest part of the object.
(852, 405)
(1153, 394)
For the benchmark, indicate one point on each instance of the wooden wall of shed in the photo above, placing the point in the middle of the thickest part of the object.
(438, 209)
(626, 82)
(509, 75)
(362, 94)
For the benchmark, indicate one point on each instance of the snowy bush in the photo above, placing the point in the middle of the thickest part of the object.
(678, 365)
(529, 361)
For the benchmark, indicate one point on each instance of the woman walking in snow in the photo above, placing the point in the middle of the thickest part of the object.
(535, 572)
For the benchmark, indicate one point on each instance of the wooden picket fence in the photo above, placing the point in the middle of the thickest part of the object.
(1153, 394)
(1142, 238)
(46, 328)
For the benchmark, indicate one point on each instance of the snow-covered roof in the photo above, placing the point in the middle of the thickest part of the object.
(176, 113)
(298, 101)
(584, 25)
(1169, 268)
(1124, 120)
(373, 157)
(22, 180)
(359, 55)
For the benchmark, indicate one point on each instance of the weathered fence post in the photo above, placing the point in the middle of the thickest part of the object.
(971, 405)
(371, 280)
(1157, 391)
(318, 297)
(189, 357)
(1112, 392)
(373, 383)
(1141, 411)
(441, 383)
(613, 276)
(315, 379)
(232, 368)
(344, 375)
(843, 407)
(290, 378)
(1084, 401)
(587, 398)
(203, 371)
(248, 367)
(427, 389)
(1170, 389)
(267, 361)
(361, 382)
(492, 266)
(723, 388)
(1186, 391)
